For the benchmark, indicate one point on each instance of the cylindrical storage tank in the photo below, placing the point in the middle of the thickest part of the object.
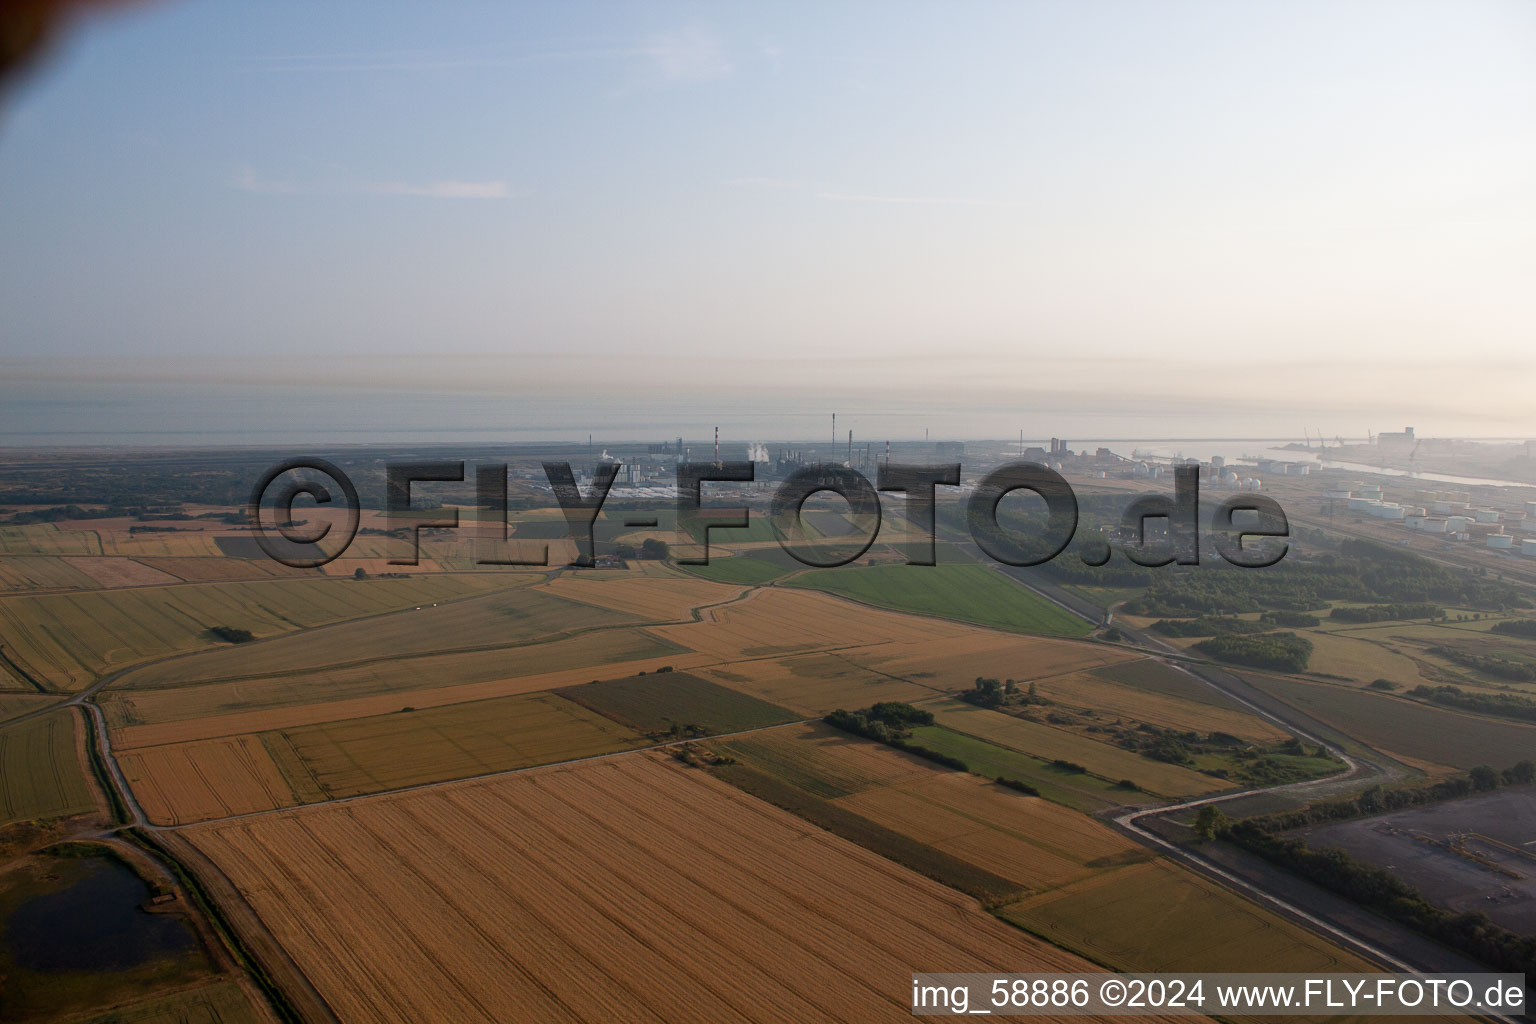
(1528, 547)
(1433, 524)
(1530, 510)
(1394, 512)
(1414, 522)
(1229, 478)
(1358, 504)
(1440, 505)
(1485, 515)
(1458, 524)
(1501, 541)
(1417, 511)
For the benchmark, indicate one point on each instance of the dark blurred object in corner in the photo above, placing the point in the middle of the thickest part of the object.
(26, 27)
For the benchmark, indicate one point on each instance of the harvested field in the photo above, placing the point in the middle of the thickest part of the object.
(1157, 916)
(182, 543)
(1397, 726)
(626, 889)
(120, 572)
(955, 666)
(1033, 842)
(650, 598)
(147, 717)
(514, 612)
(410, 748)
(825, 761)
(47, 539)
(13, 704)
(1047, 742)
(814, 684)
(1156, 676)
(20, 573)
(1359, 659)
(70, 639)
(213, 570)
(188, 782)
(775, 622)
(41, 771)
(663, 702)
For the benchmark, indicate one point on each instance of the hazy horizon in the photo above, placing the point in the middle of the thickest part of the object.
(1194, 219)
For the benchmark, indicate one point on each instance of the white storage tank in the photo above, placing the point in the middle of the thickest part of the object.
(1433, 524)
(1486, 515)
(1393, 512)
(1458, 524)
(1358, 504)
(1530, 510)
(1501, 541)
(1440, 505)
(1528, 547)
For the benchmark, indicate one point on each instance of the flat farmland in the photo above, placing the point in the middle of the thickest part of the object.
(48, 539)
(744, 569)
(20, 573)
(825, 761)
(177, 544)
(366, 755)
(185, 782)
(513, 612)
(1047, 742)
(70, 639)
(1111, 700)
(41, 770)
(1156, 916)
(213, 570)
(1155, 676)
(675, 701)
(119, 572)
(221, 1002)
(627, 889)
(1396, 726)
(967, 592)
(13, 704)
(146, 717)
(955, 666)
(814, 684)
(1077, 790)
(651, 598)
(775, 621)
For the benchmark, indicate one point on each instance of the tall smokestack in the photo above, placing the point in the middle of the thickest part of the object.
(834, 428)
(850, 448)
(887, 451)
(717, 446)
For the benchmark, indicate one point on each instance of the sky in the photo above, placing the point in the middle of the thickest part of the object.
(222, 219)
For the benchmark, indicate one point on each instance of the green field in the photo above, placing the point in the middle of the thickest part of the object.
(968, 593)
(1406, 728)
(509, 615)
(747, 569)
(1081, 792)
(408, 748)
(1051, 744)
(221, 1002)
(70, 639)
(40, 771)
(658, 702)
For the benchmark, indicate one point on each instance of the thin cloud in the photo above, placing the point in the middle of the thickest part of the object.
(687, 55)
(248, 180)
(860, 197)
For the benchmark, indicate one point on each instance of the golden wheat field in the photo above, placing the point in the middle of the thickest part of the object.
(511, 612)
(651, 598)
(69, 639)
(187, 782)
(630, 889)
(21, 573)
(1030, 841)
(119, 572)
(1158, 916)
(176, 714)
